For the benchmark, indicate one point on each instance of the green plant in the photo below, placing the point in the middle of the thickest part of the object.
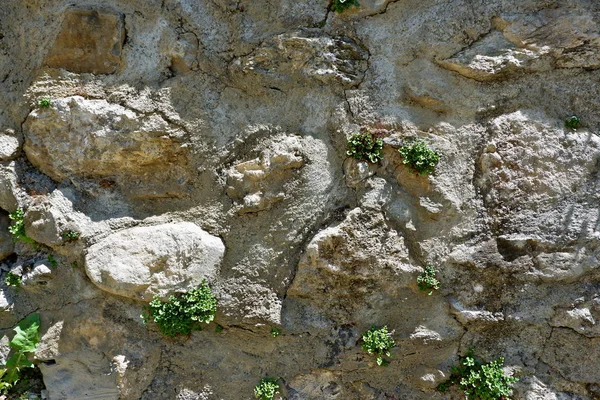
(275, 332)
(341, 5)
(25, 341)
(183, 312)
(13, 280)
(378, 341)
(419, 157)
(573, 122)
(52, 261)
(266, 389)
(69, 235)
(45, 102)
(74, 265)
(427, 280)
(480, 381)
(17, 226)
(219, 328)
(362, 146)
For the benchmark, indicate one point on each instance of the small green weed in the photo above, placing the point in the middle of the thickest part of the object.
(182, 313)
(13, 280)
(341, 5)
(25, 341)
(52, 261)
(45, 102)
(362, 146)
(378, 341)
(266, 389)
(219, 328)
(74, 265)
(70, 236)
(419, 157)
(480, 381)
(427, 281)
(275, 332)
(573, 122)
(17, 226)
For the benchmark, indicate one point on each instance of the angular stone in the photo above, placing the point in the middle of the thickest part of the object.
(89, 41)
(142, 262)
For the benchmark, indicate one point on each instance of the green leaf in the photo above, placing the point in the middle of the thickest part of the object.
(27, 334)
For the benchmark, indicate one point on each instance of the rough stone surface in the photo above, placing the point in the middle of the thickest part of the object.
(207, 139)
(144, 262)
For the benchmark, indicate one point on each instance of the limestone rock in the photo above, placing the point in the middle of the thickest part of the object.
(143, 262)
(9, 146)
(79, 139)
(89, 41)
(564, 352)
(6, 241)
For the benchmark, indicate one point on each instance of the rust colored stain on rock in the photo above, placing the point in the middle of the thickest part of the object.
(89, 41)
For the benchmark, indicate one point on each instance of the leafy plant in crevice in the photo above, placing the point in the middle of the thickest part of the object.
(52, 261)
(266, 389)
(573, 122)
(13, 280)
(183, 313)
(69, 236)
(479, 380)
(45, 102)
(341, 5)
(363, 146)
(378, 341)
(419, 157)
(24, 342)
(427, 280)
(17, 226)
(275, 332)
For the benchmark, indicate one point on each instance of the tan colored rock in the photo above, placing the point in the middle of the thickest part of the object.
(89, 41)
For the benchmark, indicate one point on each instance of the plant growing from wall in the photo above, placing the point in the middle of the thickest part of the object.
(25, 342)
(17, 226)
(266, 389)
(275, 332)
(573, 122)
(13, 280)
(419, 157)
(363, 146)
(480, 381)
(183, 313)
(45, 102)
(341, 5)
(69, 236)
(427, 280)
(378, 341)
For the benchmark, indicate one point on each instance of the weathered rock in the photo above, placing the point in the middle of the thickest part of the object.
(79, 139)
(89, 41)
(148, 261)
(9, 145)
(6, 240)
(564, 351)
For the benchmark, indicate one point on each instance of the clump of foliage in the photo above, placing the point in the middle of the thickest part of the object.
(363, 146)
(45, 102)
(219, 328)
(25, 341)
(419, 157)
(427, 280)
(378, 341)
(13, 280)
(69, 236)
(573, 122)
(340, 5)
(17, 226)
(480, 381)
(183, 312)
(266, 389)
(275, 332)
(52, 261)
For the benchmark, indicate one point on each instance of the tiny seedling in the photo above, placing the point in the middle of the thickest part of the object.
(24, 342)
(52, 261)
(480, 381)
(17, 226)
(427, 280)
(219, 328)
(363, 146)
(275, 332)
(183, 312)
(378, 341)
(69, 236)
(419, 157)
(573, 122)
(45, 102)
(341, 5)
(266, 389)
(13, 280)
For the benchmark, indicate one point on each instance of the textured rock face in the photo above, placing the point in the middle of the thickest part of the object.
(152, 261)
(207, 139)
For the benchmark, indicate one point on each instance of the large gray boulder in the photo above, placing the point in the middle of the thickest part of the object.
(142, 262)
